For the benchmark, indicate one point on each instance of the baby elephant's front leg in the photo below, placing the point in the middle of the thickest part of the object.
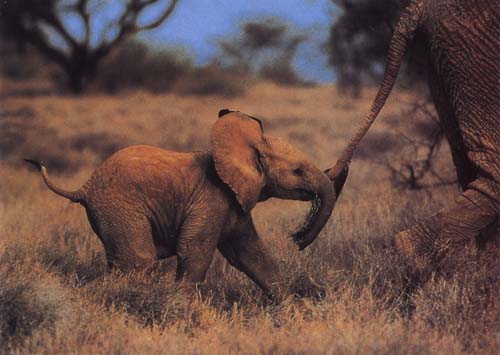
(247, 253)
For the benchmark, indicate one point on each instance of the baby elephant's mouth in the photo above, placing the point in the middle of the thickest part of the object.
(298, 194)
(304, 195)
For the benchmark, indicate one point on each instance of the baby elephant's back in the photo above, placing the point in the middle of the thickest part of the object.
(138, 171)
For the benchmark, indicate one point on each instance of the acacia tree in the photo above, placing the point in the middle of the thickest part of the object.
(266, 47)
(41, 24)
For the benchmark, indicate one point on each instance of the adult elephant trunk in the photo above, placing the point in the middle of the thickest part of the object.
(321, 210)
(410, 20)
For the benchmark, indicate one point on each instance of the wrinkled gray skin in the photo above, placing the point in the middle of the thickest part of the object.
(463, 42)
(145, 203)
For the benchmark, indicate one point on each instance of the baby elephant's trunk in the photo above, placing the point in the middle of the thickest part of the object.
(322, 207)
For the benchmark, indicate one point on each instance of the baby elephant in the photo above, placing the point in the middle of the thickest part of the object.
(146, 203)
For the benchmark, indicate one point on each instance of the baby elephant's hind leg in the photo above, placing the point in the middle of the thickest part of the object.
(127, 239)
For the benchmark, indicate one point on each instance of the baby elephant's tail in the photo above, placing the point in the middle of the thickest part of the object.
(75, 196)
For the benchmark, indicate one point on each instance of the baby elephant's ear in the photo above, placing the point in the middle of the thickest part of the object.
(235, 137)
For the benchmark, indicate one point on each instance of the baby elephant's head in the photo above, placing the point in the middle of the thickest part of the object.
(257, 166)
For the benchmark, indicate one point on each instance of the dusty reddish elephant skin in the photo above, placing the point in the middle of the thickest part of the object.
(145, 203)
(463, 41)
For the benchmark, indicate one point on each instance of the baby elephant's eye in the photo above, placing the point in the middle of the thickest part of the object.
(298, 172)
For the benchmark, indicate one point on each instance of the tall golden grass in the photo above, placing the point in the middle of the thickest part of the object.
(348, 293)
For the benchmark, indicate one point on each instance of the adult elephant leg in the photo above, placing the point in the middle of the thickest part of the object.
(474, 213)
(465, 170)
(248, 254)
(429, 241)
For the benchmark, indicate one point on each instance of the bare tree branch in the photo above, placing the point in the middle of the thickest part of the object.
(53, 21)
(166, 13)
(82, 10)
(21, 20)
(128, 22)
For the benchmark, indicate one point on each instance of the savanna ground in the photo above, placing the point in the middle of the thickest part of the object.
(348, 293)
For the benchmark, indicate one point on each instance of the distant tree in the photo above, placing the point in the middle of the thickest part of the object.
(265, 47)
(359, 39)
(41, 23)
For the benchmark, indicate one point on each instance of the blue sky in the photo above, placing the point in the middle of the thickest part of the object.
(196, 25)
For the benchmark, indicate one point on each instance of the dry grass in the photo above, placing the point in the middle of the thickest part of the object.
(349, 292)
